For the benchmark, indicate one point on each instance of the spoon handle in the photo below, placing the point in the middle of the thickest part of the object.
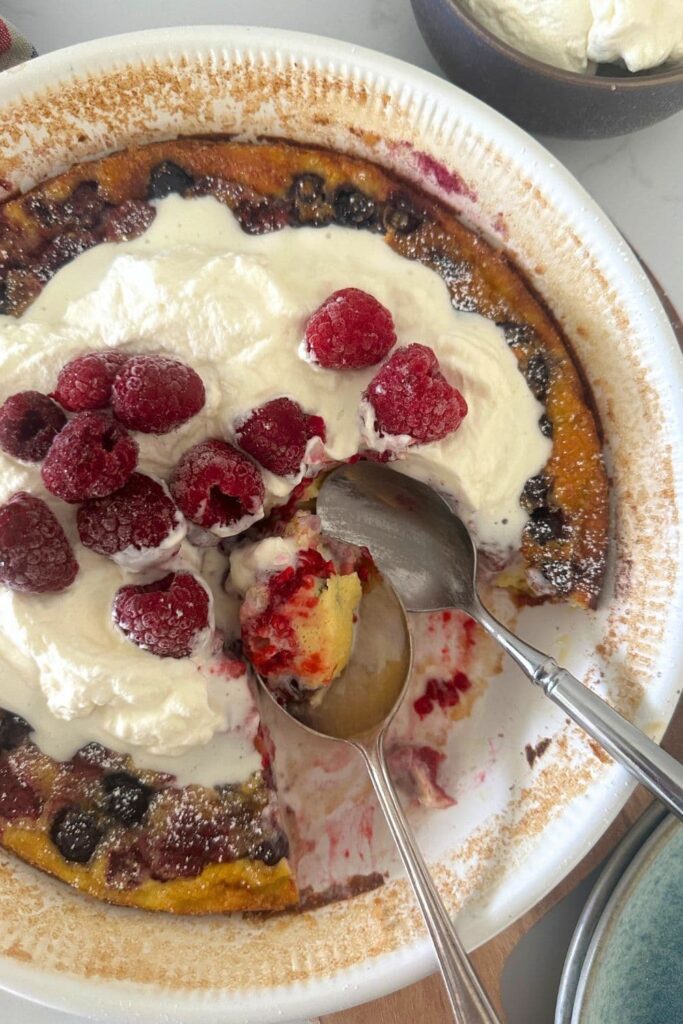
(468, 999)
(658, 771)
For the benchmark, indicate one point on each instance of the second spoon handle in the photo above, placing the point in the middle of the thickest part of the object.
(661, 773)
(467, 997)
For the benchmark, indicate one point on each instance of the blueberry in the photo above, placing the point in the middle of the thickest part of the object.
(545, 425)
(353, 208)
(127, 798)
(517, 335)
(309, 201)
(452, 271)
(272, 850)
(400, 215)
(538, 376)
(13, 729)
(76, 834)
(307, 189)
(167, 177)
(546, 524)
(535, 491)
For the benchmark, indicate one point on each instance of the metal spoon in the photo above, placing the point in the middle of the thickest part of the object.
(426, 551)
(357, 708)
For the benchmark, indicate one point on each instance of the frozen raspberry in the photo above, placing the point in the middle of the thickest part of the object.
(276, 435)
(35, 555)
(134, 525)
(91, 458)
(155, 394)
(350, 330)
(85, 382)
(410, 395)
(216, 486)
(166, 617)
(29, 423)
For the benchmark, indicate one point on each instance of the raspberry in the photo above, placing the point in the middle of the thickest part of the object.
(29, 423)
(216, 486)
(276, 434)
(91, 458)
(410, 395)
(166, 617)
(85, 382)
(155, 394)
(350, 330)
(35, 556)
(141, 516)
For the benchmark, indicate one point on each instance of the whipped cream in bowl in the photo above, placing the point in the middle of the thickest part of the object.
(233, 307)
(576, 35)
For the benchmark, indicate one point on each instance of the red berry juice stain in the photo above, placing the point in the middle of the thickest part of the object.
(443, 693)
(450, 181)
(469, 628)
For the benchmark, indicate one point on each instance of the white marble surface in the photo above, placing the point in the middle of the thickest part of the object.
(638, 180)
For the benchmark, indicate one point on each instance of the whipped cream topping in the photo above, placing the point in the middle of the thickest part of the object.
(577, 34)
(232, 306)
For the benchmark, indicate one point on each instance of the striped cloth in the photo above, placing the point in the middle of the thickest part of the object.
(14, 48)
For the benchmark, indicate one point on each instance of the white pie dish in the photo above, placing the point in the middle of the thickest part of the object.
(500, 849)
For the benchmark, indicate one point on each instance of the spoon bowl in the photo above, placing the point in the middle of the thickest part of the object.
(410, 530)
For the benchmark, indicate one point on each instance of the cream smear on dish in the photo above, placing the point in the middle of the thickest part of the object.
(233, 306)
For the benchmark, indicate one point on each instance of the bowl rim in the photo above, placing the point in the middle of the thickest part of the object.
(607, 82)
(375, 977)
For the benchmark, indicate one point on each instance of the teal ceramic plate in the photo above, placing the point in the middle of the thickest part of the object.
(632, 972)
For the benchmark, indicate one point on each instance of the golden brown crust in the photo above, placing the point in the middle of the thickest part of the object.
(242, 885)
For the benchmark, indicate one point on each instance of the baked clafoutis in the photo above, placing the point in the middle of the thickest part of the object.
(191, 334)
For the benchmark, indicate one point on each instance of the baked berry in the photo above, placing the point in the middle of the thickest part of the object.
(13, 730)
(517, 335)
(410, 395)
(354, 208)
(29, 423)
(535, 492)
(309, 201)
(400, 216)
(271, 851)
(83, 208)
(85, 382)
(538, 376)
(167, 617)
(92, 457)
(349, 331)
(168, 177)
(127, 220)
(545, 425)
(137, 526)
(276, 435)
(17, 798)
(127, 798)
(546, 524)
(35, 555)
(76, 834)
(217, 487)
(155, 394)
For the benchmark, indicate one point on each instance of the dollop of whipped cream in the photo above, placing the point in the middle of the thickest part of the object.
(234, 307)
(577, 34)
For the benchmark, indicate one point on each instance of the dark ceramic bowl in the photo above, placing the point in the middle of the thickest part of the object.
(539, 97)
